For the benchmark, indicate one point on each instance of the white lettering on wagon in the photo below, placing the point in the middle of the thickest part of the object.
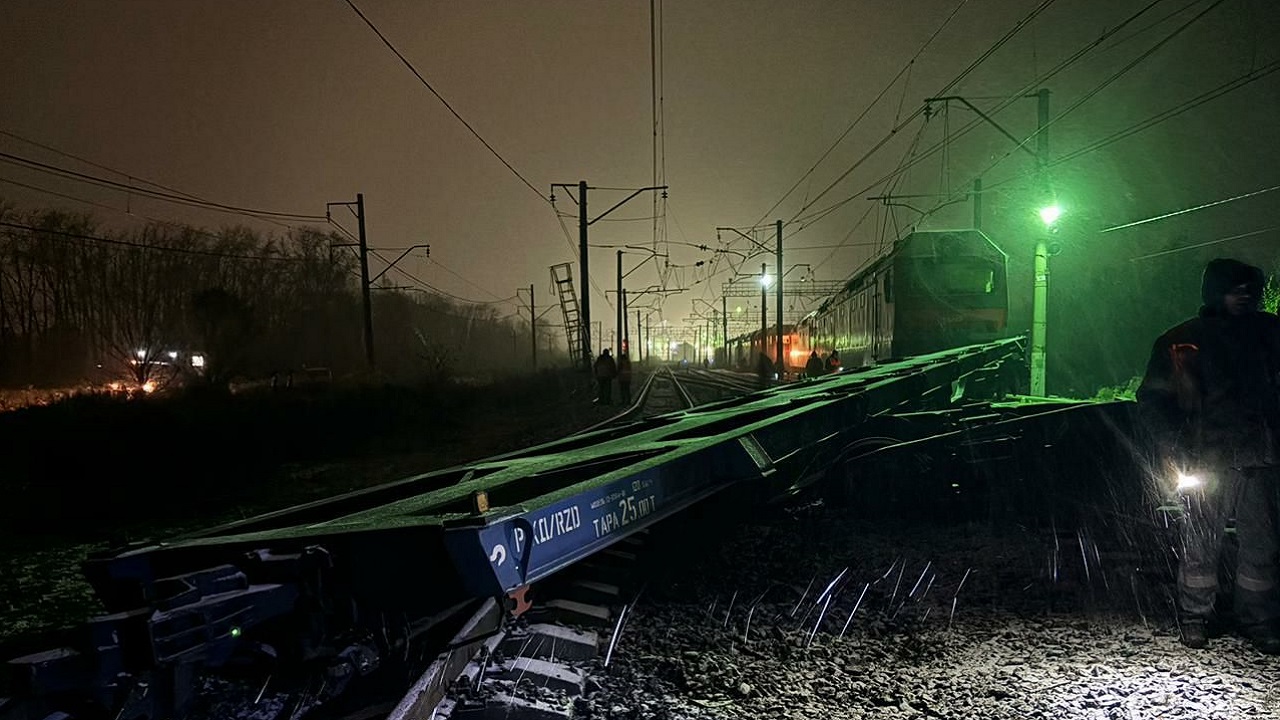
(627, 510)
(560, 522)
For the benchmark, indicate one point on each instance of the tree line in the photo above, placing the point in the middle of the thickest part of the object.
(80, 302)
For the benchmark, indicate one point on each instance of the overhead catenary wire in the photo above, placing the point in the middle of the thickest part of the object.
(442, 100)
(1146, 124)
(876, 100)
(1217, 241)
(131, 177)
(899, 126)
(973, 124)
(105, 206)
(155, 194)
(1195, 208)
(1107, 82)
(436, 263)
(144, 246)
(424, 285)
(100, 166)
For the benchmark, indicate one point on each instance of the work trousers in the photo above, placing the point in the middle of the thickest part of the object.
(624, 387)
(605, 396)
(1249, 494)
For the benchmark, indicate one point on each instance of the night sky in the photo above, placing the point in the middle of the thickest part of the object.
(288, 105)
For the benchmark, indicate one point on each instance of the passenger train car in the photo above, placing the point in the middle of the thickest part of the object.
(934, 290)
(744, 349)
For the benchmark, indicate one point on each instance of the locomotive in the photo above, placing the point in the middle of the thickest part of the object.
(935, 290)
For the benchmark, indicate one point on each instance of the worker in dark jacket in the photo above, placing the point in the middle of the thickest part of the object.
(813, 368)
(624, 377)
(764, 369)
(833, 361)
(605, 370)
(1211, 403)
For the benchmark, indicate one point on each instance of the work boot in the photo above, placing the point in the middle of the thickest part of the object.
(1265, 639)
(1195, 633)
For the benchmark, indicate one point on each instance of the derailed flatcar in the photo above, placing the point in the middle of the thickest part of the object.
(935, 290)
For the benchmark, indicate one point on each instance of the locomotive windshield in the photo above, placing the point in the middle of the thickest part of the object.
(959, 281)
(965, 277)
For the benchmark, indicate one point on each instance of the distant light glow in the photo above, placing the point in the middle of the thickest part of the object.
(765, 280)
(1188, 482)
(149, 386)
(141, 353)
(1050, 214)
(173, 354)
(235, 632)
(197, 361)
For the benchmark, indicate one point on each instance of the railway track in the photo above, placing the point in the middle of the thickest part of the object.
(666, 391)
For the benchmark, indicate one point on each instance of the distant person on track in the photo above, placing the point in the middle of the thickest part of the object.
(764, 369)
(605, 370)
(1211, 403)
(624, 377)
(833, 362)
(813, 368)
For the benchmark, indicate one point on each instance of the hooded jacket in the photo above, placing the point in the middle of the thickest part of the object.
(1211, 394)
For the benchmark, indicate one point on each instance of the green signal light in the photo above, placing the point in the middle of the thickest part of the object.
(1049, 215)
(235, 632)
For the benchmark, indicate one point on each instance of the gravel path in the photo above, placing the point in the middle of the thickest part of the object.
(732, 634)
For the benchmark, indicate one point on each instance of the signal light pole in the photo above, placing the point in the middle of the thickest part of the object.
(764, 308)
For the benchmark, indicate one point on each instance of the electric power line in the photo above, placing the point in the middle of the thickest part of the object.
(954, 81)
(156, 194)
(1106, 83)
(433, 289)
(100, 166)
(1191, 209)
(440, 97)
(1217, 241)
(440, 265)
(1152, 121)
(1075, 57)
(863, 114)
(104, 206)
(144, 246)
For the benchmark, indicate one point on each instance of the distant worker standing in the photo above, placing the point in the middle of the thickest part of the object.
(1212, 406)
(764, 369)
(605, 370)
(813, 368)
(624, 377)
(833, 361)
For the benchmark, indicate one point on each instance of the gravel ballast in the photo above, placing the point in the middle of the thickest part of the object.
(1045, 625)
